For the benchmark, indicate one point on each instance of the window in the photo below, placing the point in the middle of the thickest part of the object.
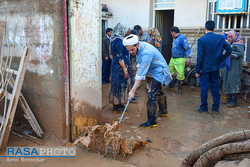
(164, 4)
(230, 4)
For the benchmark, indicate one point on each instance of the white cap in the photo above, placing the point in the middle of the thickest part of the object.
(130, 40)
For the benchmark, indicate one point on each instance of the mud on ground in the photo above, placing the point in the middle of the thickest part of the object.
(174, 138)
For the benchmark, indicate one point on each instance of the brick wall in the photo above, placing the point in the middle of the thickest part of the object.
(192, 38)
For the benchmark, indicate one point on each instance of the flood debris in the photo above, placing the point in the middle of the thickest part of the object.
(107, 140)
(216, 149)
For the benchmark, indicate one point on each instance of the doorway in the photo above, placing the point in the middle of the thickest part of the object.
(164, 20)
(104, 27)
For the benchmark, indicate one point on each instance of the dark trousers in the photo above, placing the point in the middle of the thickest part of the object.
(106, 68)
(154, 91)
(212, 79)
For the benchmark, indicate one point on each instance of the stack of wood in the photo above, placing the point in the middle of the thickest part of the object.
(232, 146)
(10, 87)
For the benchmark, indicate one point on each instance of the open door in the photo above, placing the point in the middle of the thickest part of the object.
(164, 20)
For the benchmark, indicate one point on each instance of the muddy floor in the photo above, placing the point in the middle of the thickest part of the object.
(181, 132)
(174, 138)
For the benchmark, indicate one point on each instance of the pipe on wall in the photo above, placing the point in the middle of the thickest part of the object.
(66, 70)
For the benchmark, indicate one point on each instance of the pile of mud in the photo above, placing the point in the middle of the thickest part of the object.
(107, 139)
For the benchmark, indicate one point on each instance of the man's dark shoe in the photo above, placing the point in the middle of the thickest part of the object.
(180, 87)
(215, 110)
(148, 125)
(201, 111)
(108, 81)
(103, 82)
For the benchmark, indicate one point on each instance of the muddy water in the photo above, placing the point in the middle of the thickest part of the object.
(179, 133)
(107, 140)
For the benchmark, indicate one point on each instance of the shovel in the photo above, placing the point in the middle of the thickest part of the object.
(124, 111)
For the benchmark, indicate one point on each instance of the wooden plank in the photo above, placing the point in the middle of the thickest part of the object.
(28, 137)
(27, 111)
(10, 71)
(8, 96)
(2, 93)
(30, 116)
(2, 34)
(3, 27)
(14, 100)
(9, 58)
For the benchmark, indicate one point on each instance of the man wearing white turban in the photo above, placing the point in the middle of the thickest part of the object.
(149, 59)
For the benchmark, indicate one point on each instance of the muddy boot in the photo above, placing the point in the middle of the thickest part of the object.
(171, 84)
(121, 106)
(117, 108)
(228, 100)
(162, 103)
(151, 107)
(180, 87)
(233, 103)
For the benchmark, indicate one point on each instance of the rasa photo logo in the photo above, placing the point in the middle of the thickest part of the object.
(40, 152)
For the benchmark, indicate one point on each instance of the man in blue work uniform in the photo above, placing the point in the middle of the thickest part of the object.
(180, 54)
(149, 59)
(209, 57)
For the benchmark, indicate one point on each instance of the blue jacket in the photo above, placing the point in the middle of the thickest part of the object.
(210, 52)
(149, 59)
(180, 47)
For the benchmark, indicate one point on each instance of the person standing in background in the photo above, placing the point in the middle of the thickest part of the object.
(106, 56)
(180, 55)
(232, 72)
(143, 36)
(209, 57)
(120, 69)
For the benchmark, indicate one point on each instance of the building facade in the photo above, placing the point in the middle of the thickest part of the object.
(190, 16)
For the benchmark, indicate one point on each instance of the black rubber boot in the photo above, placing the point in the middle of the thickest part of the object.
(162, 103)
(180, 87)
(233, 103)
(118, 108)
(151, 107)
(170, 85)
(228, 100)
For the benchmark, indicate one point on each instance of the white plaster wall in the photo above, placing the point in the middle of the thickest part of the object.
(36, 31)
(129, 12)
(86, 52)
(190, 13)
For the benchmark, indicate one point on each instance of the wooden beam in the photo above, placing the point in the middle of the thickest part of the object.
(14, 100)
(1, 119)
(26, 136)
(10, 71)
(26, 109)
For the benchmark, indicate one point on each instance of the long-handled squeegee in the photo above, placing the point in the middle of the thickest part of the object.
(124, 111)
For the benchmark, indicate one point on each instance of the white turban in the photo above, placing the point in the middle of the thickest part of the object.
(130, 40)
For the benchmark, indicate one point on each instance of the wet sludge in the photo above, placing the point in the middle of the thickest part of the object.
(106, 139)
